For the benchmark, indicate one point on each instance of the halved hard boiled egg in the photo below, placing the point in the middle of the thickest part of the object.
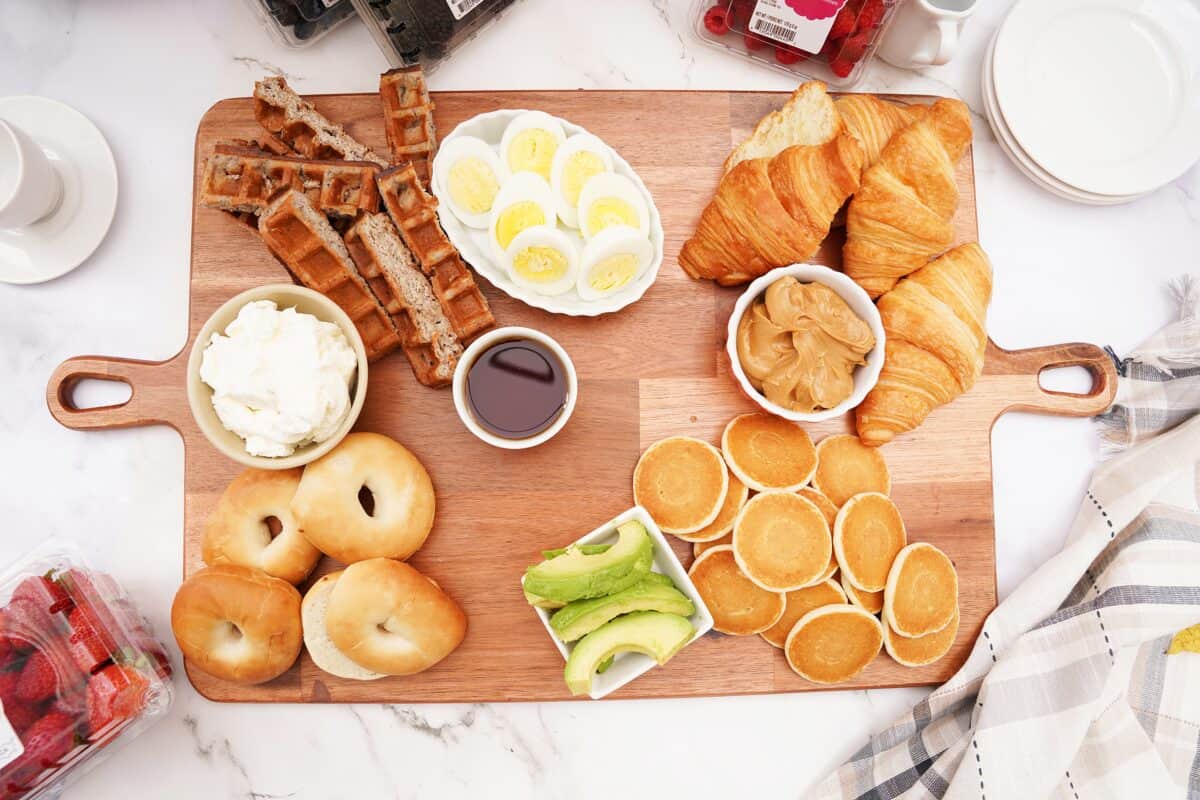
(542, 258)
(470, 174)
(613, 259)
(530, 142)
(524, 201)
(610, 199)
(581, 158)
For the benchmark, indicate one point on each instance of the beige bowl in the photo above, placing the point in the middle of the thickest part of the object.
(285, 295)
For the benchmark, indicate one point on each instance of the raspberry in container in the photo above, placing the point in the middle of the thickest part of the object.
(831, 40)
(80, 669)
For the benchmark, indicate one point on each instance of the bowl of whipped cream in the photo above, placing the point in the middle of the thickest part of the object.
(277, 376)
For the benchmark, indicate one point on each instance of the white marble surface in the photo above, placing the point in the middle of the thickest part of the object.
(146, 72)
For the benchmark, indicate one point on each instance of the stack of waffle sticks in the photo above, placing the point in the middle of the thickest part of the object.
(314, 193)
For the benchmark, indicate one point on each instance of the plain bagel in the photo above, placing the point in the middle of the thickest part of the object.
(238, 623)
(331, 515)
(239, 530)
(387, 617)
(321, 648)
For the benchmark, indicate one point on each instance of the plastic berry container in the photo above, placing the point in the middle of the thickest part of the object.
(829, 40)
(299, 23)
(80, 670)
(426, 32)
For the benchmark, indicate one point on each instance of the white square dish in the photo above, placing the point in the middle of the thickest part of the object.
(627, 666)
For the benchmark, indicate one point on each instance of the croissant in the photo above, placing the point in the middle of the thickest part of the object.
(772, 211)
(873, 121)
(934, 321)
(900, 216)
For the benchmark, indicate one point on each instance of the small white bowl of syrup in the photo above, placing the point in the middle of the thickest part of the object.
(515, 388)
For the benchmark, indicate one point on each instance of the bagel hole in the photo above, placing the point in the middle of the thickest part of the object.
(366, 499)
(273, 525)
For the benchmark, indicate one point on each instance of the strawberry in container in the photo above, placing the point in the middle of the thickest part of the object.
(80, 668)
(831, 40)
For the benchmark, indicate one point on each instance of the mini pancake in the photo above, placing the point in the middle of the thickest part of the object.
(922, 650)
(833, 643)
(735, 498)
(699, 548)
(682, 483)
(738, 605)
(781, 541)
(799, 602)
(768, 452)
(868, 534)
(922, 591)
(846, 467)
(871, 602)
(823, 504)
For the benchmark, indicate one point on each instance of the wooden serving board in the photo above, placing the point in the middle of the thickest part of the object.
(654, 369)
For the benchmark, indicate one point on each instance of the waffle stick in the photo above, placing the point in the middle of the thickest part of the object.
(394, 276)
(293, 120)
(415, 213)
(301, 237)
(408, 118)
(247, 179)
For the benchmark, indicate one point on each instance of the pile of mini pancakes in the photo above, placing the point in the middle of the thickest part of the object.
(816, 561)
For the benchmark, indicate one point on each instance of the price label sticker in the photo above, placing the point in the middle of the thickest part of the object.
(803, 24)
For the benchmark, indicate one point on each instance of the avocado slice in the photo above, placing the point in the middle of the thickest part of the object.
(542, 602)
(654, 633)
(653, 592)
(605, 664)
(576, 575)
(586, 549)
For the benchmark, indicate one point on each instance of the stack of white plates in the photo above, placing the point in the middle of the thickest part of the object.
(1097, 101)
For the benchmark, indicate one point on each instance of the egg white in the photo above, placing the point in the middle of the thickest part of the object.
(568, 211)
(610, 184)
(449, 154)
(548, 237)
(612, 241)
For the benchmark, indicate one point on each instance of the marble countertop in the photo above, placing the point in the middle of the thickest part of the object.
(146, 72)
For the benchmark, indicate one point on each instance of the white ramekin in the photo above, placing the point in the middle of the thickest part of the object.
(463, 406)
(860, 303)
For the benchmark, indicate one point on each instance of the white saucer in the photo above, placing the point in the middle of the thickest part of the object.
(54, 246)
(1022, 161)
(1102, 94)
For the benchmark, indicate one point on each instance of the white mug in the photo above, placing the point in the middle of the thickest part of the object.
(925, 32)
(30, 188)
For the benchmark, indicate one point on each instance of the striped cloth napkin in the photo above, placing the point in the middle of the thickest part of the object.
(1069, 691)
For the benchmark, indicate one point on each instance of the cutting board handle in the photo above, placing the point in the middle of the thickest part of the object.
(1032, 396)
(154, 396)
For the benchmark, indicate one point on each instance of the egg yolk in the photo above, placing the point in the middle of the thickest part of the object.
(532, 150)
(540, 264)
(579, 168)
(613, 272)
(516, 218)
(473, 185)
(608, 211)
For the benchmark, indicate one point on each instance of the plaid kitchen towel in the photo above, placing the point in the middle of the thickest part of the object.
(1160, 381)
(1069, 692)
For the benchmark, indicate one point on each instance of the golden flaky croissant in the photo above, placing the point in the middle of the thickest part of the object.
(874, 122)
(936, 337)
(900, 216)
(772, 211)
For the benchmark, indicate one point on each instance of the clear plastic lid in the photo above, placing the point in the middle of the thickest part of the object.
(426, 31)
(80, 668)
(830, 40)
(299, 23)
